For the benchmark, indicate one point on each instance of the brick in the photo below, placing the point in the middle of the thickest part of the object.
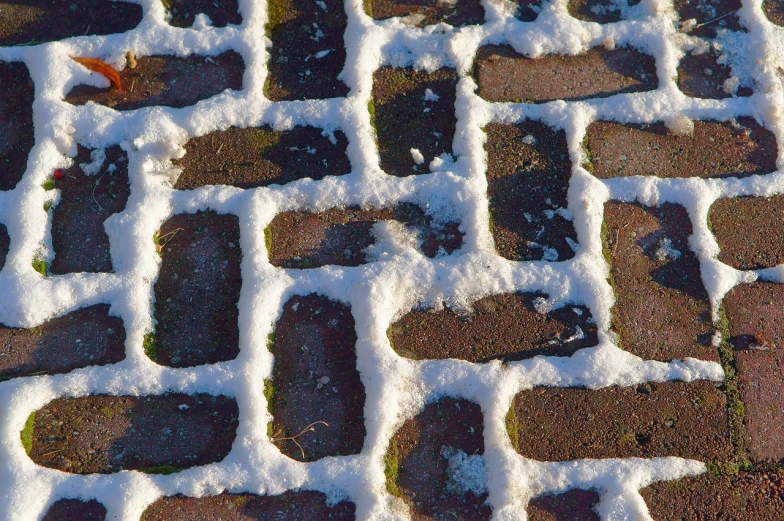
(599, 11)
(79, 238)
(74, 509)
(16, 122)
(82, 338)
(528, 168)
(168, 81)
(155, 434)
(574, 505)
(662, 310)
(252, 157)
(304, 240)
(505, 327)
(744, 226)
(405, 117)
(755, 314)
(197, 290)
(741, 497)
(701, 76)
(315, 379)
(459, 14)
(687, 420)
(220, 12)
(706, 13)
(417, 461)
(300, 31)
(504, 75)
(714, 150)
(774, 11)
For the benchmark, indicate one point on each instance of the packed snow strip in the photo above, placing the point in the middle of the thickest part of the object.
(396, 388)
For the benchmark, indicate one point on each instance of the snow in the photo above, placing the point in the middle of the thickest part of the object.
(398, 280)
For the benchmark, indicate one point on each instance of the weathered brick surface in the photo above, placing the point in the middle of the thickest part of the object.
(221, 12)
(702, 76)
(528, 171)
(599, 11)
(714, 150)
(75, 510)
(457, 14)
(757, 220)
(16, 122)
(661, 310)
(504, 75)
(503, 326)
(574, 505)
(742, 497)
(688, 420)
(315, 379)
(755, 315)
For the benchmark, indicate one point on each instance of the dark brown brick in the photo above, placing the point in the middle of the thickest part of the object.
(290, 506)
(315, 379)
(340, 236)
(528, 171)
(662, 310)
(86, 337)
(168, 81)
(420, 450)
(702, 76)
(574, 505)
(75, 510)
(774, 10)
(599, 11)
(251, 157)
(741, 497)
(711, 15)
(716, 149)
(36, 21)
(197, 290)
(16, 122)
(221, 12)
(749, 231)
(504, 75)
(155, 434)
(688, 420)
(5, 244)
(299, 32)
(79, 239)
(503, 326)
(755, 314)
(405, 119)
(528, 10)
(463, 12)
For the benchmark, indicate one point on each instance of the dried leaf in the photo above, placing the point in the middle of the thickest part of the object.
(103, 68)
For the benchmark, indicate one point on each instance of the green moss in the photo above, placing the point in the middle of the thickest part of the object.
(277, 11)
(269, 394)
(49, 184)
(47, 206)
(270, 341)
(40, 265)
(513, 427)
(490, 222)
(150, 347)
(368, 5)
(723, 468)
(161, 469)
(392, 469)
(372, 112)
(166, 4)
(27, 433)
(262, 138)
(588, 163)
(268, 238)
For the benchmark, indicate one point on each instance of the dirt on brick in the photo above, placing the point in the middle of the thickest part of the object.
(413, 110)
(79, 239)
(290, 506)
(168, 81)
(86, 337)
(418, 467)
(75, 510)
(315, 379)
(340, 236)
(574, 505)
(687, 420)
(711, 15)
(701, 76)
(220, 12)
(504, 75)
(32, 22)
(774, 10)
(741, 497)
(252, 157)
(755, 314)
(197, 290)
(754, 219)
(421, 14)
(599, 11)
(661, 310)
(307, 51)
(506, 327)
(716, 150)
(16, 122)
(155, 434)
(528, 171)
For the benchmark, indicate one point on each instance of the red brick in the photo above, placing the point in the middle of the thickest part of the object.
(745, 228)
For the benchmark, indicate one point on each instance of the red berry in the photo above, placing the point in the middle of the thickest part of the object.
(58, 174)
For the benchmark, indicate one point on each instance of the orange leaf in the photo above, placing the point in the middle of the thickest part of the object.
(101, 67)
